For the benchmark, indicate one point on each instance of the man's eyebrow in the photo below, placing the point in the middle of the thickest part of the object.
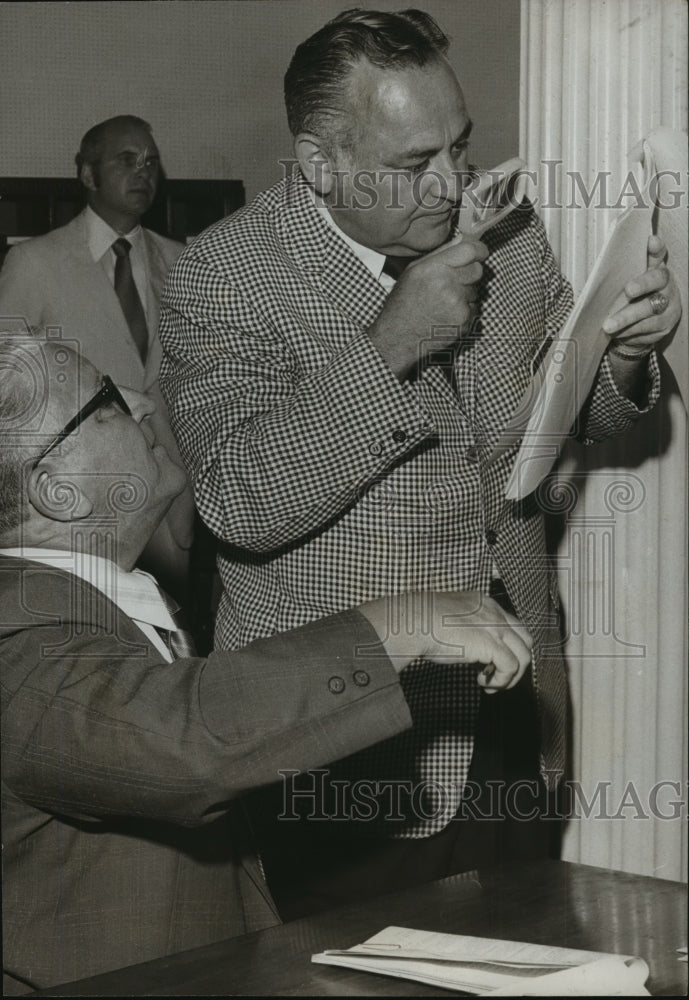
(466, 131)
(136, 152)
(422, 153)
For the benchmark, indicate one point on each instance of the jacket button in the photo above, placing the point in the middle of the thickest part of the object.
(471, 454)
(336, 685)
(399, 436)
(491, 536)
(361, 678)
(375, 448)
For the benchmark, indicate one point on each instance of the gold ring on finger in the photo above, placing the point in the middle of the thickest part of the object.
(658, 303)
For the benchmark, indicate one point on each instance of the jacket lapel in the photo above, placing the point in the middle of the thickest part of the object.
(158, 266)
(333, 266)
(158, 269)
(36, 594)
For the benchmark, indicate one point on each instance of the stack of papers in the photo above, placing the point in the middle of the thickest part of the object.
(485, 966)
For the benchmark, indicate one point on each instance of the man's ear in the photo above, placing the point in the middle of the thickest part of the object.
(87, 178)
(315, 163)
(57, 497)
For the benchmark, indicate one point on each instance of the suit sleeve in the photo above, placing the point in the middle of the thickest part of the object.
(274, 451)
(20, 286)
(607, 412)
(99, 731)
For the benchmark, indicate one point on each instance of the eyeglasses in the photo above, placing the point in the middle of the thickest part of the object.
(108, 393)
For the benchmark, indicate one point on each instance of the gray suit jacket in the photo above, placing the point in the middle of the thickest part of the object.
(120, 839)
(52, 281)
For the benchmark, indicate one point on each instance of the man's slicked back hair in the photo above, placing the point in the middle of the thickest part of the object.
(316, 80)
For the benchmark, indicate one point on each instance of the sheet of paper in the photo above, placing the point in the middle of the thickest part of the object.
(607, 977)
(672, 162)
(475, 965)
(551, 404)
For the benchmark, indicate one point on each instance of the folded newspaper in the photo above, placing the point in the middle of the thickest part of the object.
(483, 966)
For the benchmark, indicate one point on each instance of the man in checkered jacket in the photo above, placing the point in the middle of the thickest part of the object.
(336, 423)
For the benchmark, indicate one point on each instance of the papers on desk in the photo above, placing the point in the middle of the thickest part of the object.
(485, 966)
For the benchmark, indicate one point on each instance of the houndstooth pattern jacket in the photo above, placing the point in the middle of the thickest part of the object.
(332, 483)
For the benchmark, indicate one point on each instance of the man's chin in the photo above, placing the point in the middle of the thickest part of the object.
(142, 199)
(166, 493)
(178, 482)
(172, 477)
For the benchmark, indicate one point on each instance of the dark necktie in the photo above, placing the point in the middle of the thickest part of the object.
(394, 266)
(179, 640)
(126, 291)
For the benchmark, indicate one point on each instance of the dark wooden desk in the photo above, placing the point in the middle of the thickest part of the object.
(553, 903)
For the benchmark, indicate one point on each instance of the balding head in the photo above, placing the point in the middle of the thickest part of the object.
(91, 146)
(106, 475)
(24, 401)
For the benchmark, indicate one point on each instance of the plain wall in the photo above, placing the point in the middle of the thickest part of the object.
(208, 77)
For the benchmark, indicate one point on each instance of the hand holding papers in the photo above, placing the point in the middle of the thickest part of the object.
(558, 390)
(670, 154)
(485, 966)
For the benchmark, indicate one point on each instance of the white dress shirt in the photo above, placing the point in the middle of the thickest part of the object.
(135, 593)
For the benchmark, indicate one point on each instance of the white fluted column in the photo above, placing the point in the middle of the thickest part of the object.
(597, 76)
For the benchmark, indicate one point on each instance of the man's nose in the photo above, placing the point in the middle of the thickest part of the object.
(445, 181)
(140, 403)
(145, 167)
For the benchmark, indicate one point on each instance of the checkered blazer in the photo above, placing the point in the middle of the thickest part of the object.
(332, 483)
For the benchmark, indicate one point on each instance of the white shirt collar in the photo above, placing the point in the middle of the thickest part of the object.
(101, 236)
(371, 259)
(135, 593)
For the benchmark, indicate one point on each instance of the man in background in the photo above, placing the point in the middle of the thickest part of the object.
(99, 279)
(122, 752)
(337, 414)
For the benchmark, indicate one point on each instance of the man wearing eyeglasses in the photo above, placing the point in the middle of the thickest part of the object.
(99, 280)
(122, 751)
